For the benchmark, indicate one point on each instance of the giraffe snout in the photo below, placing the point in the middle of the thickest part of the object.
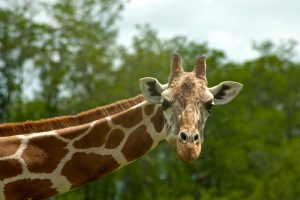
(188, 146)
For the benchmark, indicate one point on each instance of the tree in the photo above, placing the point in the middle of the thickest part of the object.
(19, 37)
(82, 46)
(251, 148)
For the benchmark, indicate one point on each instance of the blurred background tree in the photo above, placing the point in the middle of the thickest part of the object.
(73, 63)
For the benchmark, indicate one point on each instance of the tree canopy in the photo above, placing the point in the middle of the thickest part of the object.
(73, 63)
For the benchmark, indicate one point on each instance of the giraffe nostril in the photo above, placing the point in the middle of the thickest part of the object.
(196, 137)
(183, 136)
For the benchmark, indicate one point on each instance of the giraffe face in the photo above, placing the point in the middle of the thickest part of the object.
(187, 102)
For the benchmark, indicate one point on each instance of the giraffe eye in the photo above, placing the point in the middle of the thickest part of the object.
(165, 104)
(209, 106)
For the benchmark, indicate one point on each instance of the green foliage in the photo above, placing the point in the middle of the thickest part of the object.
(252, 145)
(17, 47)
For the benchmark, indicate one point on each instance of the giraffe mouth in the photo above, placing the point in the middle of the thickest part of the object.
(188, 147)
(188, 152)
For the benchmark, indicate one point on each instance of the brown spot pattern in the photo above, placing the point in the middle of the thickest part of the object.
(73, 132)
(138, 143)
(29, 188)
(10, 168)
(43, 154)
(114, 139)
(9, 145)
(96, 137)
(158, 120)
(149, 109)
(83, 168)
(132, 118)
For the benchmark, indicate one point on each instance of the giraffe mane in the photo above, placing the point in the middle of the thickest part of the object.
(56, 123)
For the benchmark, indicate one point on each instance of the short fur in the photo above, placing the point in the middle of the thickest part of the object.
(67, 121)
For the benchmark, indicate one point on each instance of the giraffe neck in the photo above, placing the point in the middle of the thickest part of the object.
(45, 164)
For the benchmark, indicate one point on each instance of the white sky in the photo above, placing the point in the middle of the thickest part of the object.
(229, 25)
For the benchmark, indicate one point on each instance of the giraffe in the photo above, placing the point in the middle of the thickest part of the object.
(46, 158)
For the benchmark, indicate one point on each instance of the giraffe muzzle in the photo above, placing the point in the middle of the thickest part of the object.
(188, 146)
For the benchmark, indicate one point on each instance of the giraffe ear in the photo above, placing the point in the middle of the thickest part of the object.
(151, 89)
(225, 91)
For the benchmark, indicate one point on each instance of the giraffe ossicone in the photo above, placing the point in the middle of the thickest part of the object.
(50, 157)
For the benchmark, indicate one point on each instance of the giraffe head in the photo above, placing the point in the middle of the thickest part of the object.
(187, 102)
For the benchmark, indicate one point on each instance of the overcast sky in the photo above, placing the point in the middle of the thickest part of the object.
(229, 25)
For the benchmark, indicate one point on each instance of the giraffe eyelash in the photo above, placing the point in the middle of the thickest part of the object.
(166, 104)
(209, 106)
